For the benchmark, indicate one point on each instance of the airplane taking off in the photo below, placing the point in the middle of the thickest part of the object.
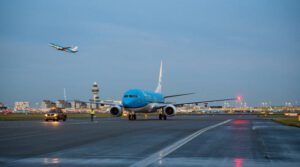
(141, 101)
(66, 49)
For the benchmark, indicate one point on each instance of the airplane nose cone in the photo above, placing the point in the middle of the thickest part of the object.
(127, 103)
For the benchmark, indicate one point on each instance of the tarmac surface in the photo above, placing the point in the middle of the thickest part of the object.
(238, 141)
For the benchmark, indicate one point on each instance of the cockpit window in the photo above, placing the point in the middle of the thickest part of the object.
(131, 96)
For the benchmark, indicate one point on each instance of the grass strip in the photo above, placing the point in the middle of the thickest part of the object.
(288, 121)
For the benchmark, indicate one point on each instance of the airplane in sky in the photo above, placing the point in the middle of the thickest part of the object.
(141, 101)
(66, 49)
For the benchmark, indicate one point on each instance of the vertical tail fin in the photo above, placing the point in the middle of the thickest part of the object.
(159, 86)
(74, 49)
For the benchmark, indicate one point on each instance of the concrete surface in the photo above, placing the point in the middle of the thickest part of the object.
(180, 141)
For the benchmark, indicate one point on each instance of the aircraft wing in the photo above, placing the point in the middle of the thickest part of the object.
(203, 102)
(160, 105)
(104, 103)
(176, 95)
(55, 46)
(58, 47)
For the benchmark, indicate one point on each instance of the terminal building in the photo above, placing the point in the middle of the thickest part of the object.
(21, 106)
(76, 104)
(47, 104)
(63, 104)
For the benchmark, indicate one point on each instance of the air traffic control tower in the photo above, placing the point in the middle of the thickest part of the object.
(95, 96)
(95, 92)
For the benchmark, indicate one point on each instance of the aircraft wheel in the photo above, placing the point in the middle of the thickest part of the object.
(134, 116)
(165, 117)
(160, 116)
(129, 117)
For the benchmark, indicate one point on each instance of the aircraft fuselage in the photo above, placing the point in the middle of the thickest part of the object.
(140, 101)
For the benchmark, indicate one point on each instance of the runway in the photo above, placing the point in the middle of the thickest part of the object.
(240, 141)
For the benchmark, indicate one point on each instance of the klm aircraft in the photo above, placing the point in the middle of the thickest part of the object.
(66, 49)
(140, 101)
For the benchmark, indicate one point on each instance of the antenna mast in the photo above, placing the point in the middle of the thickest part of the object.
(65, 94)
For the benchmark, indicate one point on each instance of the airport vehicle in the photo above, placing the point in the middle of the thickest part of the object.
(55, 114)
(66, 49)
(141, 101)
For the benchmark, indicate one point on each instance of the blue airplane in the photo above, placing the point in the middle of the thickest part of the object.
(66, 49)
(140, 101)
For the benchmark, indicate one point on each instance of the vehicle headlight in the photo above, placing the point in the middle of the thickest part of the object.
(55, 115)
(45, 115)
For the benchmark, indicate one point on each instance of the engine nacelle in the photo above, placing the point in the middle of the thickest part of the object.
(169, 110)
(116, 111)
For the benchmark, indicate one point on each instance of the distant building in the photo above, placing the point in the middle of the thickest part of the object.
(113, 101)
(21, 106)
(76, 104)
(2, 106)
(63, 104)
(186, 108)
(47, 104)
(93, 105)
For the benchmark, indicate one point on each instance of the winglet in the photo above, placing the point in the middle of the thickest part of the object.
(159, 86)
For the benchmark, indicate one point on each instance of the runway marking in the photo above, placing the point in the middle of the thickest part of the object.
(166, 151)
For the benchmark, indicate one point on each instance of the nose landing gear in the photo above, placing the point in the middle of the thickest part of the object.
(162, 117)
(131, 116)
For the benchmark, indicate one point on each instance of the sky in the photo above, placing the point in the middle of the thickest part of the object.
(217, 49)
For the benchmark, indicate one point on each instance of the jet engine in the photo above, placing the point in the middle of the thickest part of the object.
(169, 110)
(116, 111)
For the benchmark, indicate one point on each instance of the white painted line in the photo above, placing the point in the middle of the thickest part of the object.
(166, 151)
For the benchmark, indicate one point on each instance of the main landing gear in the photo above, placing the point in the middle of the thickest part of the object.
(162, 117)
(131, 116)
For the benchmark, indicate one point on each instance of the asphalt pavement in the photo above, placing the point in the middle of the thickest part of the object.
(220, 140)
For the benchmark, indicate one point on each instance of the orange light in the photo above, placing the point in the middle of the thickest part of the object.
(55, 124)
